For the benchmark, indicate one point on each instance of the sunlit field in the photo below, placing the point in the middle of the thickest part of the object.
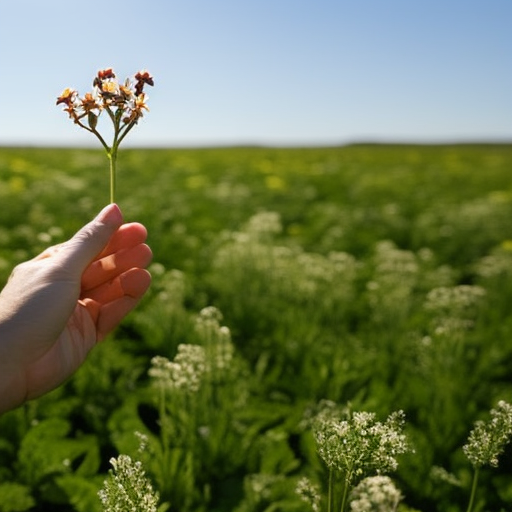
(293, 290)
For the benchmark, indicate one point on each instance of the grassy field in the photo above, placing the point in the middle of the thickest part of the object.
(373, 277)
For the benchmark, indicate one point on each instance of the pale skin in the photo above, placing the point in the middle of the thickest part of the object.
(57, 306)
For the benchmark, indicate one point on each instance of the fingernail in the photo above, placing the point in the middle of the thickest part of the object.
(111, 214)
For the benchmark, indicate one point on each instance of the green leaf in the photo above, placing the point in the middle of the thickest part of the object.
(47, 450)
(81, 492)
(92, 119)
(15, 497)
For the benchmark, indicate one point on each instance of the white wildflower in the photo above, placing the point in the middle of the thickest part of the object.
(183, 373)
(439, 474)
(357, 442)
(488, 439)
(127, 489)
(264, 224)
(375, 494)
(216, 339)
(457, 301)
(309, 493)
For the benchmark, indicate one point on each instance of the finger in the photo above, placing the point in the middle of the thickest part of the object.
(108, 215)
(106, 316)
(133, 283)
(89, 241)
(112, 313)
(107, 268)
(128, 235)
(93, 308)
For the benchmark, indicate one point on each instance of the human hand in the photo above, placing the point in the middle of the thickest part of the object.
(57, 306)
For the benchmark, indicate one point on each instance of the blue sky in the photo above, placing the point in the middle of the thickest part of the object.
(275, 72)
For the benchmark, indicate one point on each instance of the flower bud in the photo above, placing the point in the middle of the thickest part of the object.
(92, 119)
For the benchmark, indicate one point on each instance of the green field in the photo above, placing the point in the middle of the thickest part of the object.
(374, 276)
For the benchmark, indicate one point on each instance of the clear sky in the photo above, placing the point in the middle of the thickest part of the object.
(275, 72)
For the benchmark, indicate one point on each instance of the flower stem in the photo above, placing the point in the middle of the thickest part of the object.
(112, 157)
(123, 134)
(165, 436)
(346, 485)
(330, 493)
(473, 489)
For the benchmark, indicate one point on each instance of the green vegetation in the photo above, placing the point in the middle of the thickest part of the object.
(376, 278)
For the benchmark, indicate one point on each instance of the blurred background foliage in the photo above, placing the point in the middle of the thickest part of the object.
(375, 275)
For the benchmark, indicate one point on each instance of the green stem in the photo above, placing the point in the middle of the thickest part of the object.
(346, 485)
(112, 157)
(111, 115)
(125, 133)
(164, 437)
(473, 489)
(329, 490)
(95, 132)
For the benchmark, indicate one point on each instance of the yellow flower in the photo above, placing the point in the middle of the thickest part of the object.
(110, 87)
(140, 102)
(67, 96)
(126, 91)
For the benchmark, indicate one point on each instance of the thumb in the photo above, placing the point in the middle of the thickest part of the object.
(89, 241)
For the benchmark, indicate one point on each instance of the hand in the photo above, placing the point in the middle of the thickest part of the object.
(57, 306)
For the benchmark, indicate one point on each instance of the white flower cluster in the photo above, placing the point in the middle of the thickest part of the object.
(488, 439)
(395, 275)
(358, 442)
(460, 301)
(260, 485)
(143, 441)
(172, 286)
(454, 308)
(375, 494)
(287, 271)
(264, 224)
(309, 493)
(184, 373)
(439, 474)
(389, 260)
(497, 264)
(127, 489)
(215, 338)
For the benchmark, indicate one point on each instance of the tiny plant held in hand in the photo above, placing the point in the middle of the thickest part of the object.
(124, 105)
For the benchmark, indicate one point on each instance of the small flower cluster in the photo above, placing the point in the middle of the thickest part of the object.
(124, 105)
(184, 373)
(216, 338)
(453, 309)
(127, 489)
(264, 225)
(124, 102)
(395, 275)
(143, 442)
(461, 301)
(288, 271)
(375, 494)
(309, 493)
(357, 443)
(390, 261)
(497, 264)
(488, 439)
(259, 487)
(439, 474)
